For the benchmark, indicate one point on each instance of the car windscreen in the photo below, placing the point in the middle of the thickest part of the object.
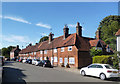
(108, 67)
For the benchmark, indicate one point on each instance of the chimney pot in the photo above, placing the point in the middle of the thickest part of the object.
(50, 37)
(66, 31)
(79, 29)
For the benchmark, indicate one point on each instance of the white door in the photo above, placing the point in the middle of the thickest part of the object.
(51, 60)
(65, 61)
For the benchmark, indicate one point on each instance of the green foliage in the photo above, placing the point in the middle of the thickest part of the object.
(115, 60)
(103, 59)
(44, 39)
(109, 26)
(6, 51)
(94, 51)
(107, 59)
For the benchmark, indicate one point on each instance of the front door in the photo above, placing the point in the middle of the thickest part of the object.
(65, 61)
(51, 60)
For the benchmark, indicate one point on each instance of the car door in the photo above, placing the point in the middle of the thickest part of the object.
(91, 70)
(99, 69)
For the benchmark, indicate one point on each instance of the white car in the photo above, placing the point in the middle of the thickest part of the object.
(100, 70)
(35, 61)
(24, 61)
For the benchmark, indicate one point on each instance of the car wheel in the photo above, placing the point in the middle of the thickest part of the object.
(43, 65)
(102, 76)
(83, 73)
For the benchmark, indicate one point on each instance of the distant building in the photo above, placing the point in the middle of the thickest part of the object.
(72, 49)
(118, 40)
(14, 52)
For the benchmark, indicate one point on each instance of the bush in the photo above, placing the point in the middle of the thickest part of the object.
(103, 59)
(94, 51)
(107, 59)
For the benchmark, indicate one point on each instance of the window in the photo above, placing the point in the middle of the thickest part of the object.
(55, 50)
(99, 66)
(62, 49)
(100, 48)
(61, 60)
(34, 53)
(108, 67)
(69, 48)
(55, 59)
(108, 49)
(92, 66)
(45, 52)
(71, 60)
(45, 58)
(40, 58)
(41, 52)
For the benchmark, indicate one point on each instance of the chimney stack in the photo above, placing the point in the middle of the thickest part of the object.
(66, 31)
(79, 29)
(50, 37)
(30, 44)
(98, 32)
(17, 46)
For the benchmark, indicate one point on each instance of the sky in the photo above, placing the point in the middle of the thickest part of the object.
(27, 22)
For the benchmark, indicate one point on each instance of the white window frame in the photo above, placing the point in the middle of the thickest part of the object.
(41, 52)
(69, 48)
(55, 50)
(40, 58)
(55, 59)
(61, 60)
(71, 60)
(34, 53)
(45, 52)
(62, 49)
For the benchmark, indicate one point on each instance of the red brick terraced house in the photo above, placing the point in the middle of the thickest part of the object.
(14, 52)
(68, 48)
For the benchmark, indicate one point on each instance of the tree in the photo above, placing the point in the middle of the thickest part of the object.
(44, 39)
(6, 51)
(94, 51)
(109, 26)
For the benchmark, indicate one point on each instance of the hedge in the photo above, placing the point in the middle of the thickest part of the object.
(104, 59)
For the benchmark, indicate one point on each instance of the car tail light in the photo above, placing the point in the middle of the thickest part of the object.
(109, 71)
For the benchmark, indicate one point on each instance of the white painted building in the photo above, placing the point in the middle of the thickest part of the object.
(118, 40)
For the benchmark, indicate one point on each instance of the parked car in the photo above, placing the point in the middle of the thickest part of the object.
(102, 71)
(29, 61)
(24, 61)
(17, 60)
(20, 60)
(35, 61)
(45, 63)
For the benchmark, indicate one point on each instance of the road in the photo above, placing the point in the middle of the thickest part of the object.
(21, 72)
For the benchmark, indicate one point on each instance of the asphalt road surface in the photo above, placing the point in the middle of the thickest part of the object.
(21, 72)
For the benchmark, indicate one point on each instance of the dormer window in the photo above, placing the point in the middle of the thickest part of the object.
(69, 48)
(62, 49)
(55, 50)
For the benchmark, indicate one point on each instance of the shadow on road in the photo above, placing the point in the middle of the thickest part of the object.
(13, 75)
(111, 79)
(8, 63)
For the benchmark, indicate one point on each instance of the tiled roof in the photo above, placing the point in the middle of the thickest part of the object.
(82, 43)
(118, 32)
(58, 42)
(13, 49)
(93, 43)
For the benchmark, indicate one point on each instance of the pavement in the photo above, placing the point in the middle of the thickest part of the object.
(25, 73)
